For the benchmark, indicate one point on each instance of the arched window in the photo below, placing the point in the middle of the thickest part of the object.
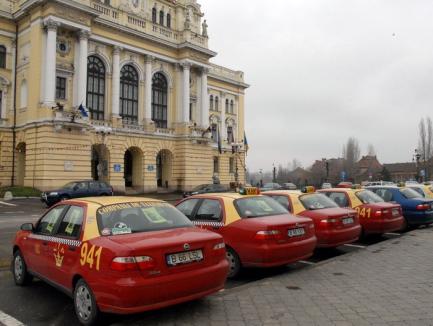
(95, 87)
(161, 18)
(216, 103)
(129, 93)
(227, 105)
(23, 94)
(232, 111)
(159, 100)
(168, 20)
(2, 56)
(211, 102)
(154, 15)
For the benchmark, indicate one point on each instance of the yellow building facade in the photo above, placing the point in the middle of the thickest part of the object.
(121, 91)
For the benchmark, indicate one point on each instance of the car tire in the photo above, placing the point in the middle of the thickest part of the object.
(234, 263)
(85, 305)
(19, 269)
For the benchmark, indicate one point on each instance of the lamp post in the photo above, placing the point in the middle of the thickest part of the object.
(274, 173)
(416, 158)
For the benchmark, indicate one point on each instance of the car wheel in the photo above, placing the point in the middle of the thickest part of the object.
(234, 263)
(85, 304)
(19, 268)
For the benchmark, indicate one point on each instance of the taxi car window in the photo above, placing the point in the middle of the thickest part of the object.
(317, 201)
(419, 190)
(283, 200)
(93, 185)
(409, 193)
(187, 207)
(126, 218)
(48, 224)
(339, 198)
(385, 194)
(72, 222)
(210, 209)
(368, 197)
(81, 186)
(250, 207)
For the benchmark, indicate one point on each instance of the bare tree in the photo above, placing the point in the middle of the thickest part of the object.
(351, 154)
(370, 150)
(425, 143)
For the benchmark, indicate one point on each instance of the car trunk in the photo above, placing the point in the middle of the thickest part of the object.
(337, 218)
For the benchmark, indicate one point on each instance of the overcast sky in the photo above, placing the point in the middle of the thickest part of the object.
(324, 70)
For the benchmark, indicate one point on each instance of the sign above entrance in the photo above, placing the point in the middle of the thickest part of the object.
(117, 168)
(150, 168)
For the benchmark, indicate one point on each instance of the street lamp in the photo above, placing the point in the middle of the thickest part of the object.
(416, 158)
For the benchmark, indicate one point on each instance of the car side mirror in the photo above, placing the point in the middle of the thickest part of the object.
(27, 227)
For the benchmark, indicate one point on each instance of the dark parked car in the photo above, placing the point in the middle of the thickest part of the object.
(289, 186)
(205, 189)
(271, 186)
(77, 189)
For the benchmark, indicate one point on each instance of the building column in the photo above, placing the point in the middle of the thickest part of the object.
(82, 67)
(223, 118)
(186, 98)
(204, 99)
(115, 82)
(148, 90)
(50, 62)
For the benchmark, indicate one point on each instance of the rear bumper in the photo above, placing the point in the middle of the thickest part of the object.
(377, 226)
(138, 294)
(334, 238)
(418, 218)
(269, 255)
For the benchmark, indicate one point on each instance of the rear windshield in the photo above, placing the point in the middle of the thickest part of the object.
(418, 190)
(410, 193)
(317, 201)
(138, 217)
(368, 197)
(258, 206)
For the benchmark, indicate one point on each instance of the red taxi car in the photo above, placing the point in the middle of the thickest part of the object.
(258, 232)
(120, 255)
(375, 215)
(334, 226)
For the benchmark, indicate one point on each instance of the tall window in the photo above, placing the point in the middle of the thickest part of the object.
(95, 87)
(232, 110)
(216, 103)
(61, 88)
(2, 56)
(1, 107)
(23, 94)
(231, 165)
(191, 111)
(129, 93)
(230, 138)
(216, 167)
(168, 20)
(227, 106)
(159, 100)
(214, 132)
(161, 17)
(211, 102)
(154, 15)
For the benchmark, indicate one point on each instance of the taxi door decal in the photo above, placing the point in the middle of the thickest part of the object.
(354, 200)
(297, 206)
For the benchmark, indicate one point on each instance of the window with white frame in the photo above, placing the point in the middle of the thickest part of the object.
(232, 110)
(227, 105)
(230, 136)
(216, 103)
(211, 103)
(60, 88)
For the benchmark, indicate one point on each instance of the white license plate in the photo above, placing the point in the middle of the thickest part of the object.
(347, 220)
(295, 232)
(395, 212)
(184, 257)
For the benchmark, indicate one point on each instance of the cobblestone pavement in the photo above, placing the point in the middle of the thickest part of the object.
(390, 283)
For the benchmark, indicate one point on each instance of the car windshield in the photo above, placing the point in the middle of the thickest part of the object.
(201, 187)
(126, 218)
(69, 185)
(368, 197)
(317, 201)
(410, 193)
(259, 206)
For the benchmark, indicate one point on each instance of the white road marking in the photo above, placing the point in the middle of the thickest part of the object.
(354, 246)
(306, 262)
(7, 204)
(391, 233)
(9, 320)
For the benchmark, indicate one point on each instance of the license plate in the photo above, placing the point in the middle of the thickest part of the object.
(395, 212)
(347, 220)
(295, 232)
(184, 257)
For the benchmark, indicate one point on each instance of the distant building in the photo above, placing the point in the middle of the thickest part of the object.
(300, 177)
(368, 168)
(401, 171)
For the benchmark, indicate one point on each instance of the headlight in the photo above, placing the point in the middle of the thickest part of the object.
(54, 193)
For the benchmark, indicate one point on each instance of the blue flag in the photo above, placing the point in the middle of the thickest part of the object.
(83, 110)
(246, 143)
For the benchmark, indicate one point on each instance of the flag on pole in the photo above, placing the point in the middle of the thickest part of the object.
(83, 110)
(246, 143)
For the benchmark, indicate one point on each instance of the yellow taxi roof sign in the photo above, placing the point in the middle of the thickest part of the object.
(308, 189)
(249, 191)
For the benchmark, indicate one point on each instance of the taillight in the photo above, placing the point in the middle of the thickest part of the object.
(378, 213)
(123, 264)
(329, 221)
(422, 207)
(268, 235)
(219, 246)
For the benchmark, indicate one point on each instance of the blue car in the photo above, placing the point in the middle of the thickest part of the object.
(77, 189)
(416, 209)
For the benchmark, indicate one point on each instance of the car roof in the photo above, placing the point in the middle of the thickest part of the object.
(230, 195)
(283, 192)
(339, 189)
(384, 186)
(111, 200)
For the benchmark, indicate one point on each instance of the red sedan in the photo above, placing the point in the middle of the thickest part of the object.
(120, 255)
(335, 226)
(258, 232)
(375, 215)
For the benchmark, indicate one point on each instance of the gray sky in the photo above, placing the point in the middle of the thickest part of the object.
(324, 70)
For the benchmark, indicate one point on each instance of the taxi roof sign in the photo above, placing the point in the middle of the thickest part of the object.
(249, 191)
(356, 186)
(308, 189)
